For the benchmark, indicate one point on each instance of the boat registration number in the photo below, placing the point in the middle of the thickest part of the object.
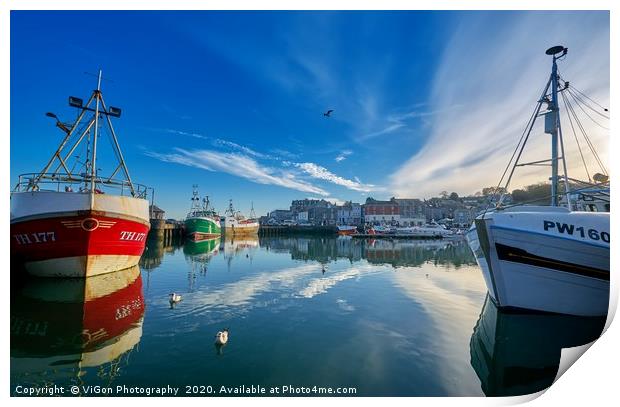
(37, 237)
(573, 230)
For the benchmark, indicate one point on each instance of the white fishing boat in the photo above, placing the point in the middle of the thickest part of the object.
(546, 258)
(235, 224)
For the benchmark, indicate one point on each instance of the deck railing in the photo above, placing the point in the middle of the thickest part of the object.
(78, 183)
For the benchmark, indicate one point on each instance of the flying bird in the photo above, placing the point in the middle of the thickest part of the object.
(328, 113)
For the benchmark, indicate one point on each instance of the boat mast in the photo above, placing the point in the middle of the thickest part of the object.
(552, 123)
(195, 199)
(93, 170)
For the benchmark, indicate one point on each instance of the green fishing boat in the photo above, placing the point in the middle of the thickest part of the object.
(202, 222)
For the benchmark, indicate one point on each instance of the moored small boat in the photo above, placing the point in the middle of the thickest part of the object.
(347, 230)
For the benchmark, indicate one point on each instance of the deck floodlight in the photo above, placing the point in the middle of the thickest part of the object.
(75, 102)
(114, 111)
(52, 115)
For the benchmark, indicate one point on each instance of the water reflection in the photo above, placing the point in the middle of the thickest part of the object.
(519, 353)
(75, 329)
(396, 252)
(155, 250)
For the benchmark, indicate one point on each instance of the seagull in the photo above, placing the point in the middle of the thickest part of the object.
(174, 297)
(328, 113)
(221, 337)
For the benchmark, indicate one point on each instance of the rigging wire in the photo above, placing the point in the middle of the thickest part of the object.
(576, 139)
(585, 135)
(577, 94)
(520, 145)
(584, 111)
(589, 98)
(584, 103)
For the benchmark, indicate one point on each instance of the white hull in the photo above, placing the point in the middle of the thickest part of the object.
(417, 231)
(530, 264)
(231, 227)
(81, 266)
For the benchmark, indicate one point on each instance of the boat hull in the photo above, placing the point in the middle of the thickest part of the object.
(528, 267)
(200, 228)
(241, 230)
(234, 227)
(75, 240)
(347, 231)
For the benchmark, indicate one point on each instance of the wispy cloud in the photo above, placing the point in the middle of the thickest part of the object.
(343, 155)
(238, 165)
(318, 172)
(244, 149)
(469, 146)
(402, 120)
(187, 133)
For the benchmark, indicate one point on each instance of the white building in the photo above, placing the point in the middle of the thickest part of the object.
(302, 217)
(349, 214)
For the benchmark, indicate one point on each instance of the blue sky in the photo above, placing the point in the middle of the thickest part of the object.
(233, 101)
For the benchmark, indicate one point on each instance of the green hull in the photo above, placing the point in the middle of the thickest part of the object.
(202, 227)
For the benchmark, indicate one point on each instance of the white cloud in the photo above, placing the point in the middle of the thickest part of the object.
(343, 155)
(186, 133)
(244, 149)
(494, 71)
(318, 172)
(239, 165)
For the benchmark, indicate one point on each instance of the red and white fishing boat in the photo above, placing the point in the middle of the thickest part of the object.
(347, 230)
(70, 221)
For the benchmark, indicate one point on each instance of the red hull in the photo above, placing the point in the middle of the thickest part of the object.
(78, 246)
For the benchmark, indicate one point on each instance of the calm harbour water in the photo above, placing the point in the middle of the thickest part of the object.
(389, 318)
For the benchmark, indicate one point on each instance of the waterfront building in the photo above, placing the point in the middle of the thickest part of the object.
(302, 217)
(321, 216)
(349, 214)
(381, 212)
(281, 215)
(411, 212)
(303, 205)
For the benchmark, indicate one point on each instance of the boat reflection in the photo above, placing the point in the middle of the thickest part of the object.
(233, 246)
(517, 353)
(198, 254)
(62, 327)
(201, 250)
(396, 252)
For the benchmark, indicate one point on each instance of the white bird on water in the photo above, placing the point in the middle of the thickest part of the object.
(174, 298)
(221, 337)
